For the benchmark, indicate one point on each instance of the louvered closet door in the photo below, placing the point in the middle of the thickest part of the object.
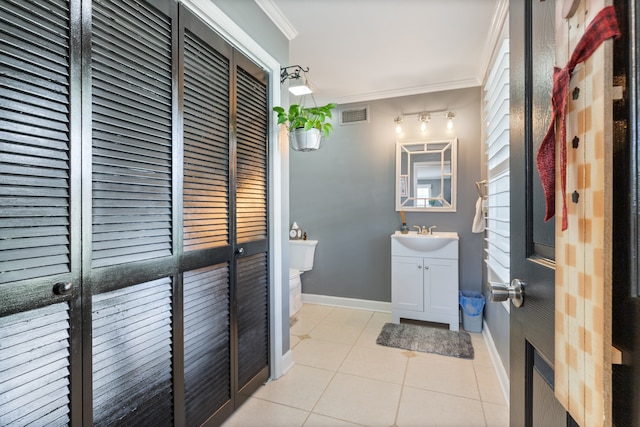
(130, 270)
(39, 212)
(208, 365)
(250, 203)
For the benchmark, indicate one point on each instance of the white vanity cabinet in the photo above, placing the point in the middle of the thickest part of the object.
(424, 282)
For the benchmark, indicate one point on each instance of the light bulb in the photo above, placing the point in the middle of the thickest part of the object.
(450, 116)
(424, 118)
(398, 122)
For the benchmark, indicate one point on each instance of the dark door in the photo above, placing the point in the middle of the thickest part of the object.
(133, 216)
(40, 234)
(626, 193)
(532, 57)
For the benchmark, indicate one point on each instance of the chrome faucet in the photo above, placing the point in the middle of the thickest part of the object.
(418, 227)
(431, 229)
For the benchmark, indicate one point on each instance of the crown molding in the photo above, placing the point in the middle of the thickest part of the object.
(492, 42)
(278, 18)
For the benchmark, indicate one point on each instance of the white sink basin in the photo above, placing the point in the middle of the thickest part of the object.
(425, 242)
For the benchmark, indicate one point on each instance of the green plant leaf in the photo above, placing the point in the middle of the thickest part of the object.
(306, 117)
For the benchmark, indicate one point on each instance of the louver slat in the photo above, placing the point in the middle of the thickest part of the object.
(132, 131)
(34, 373)
(206, 146)
(251, 193)
(207, 360)
(132, 353)
(253, 317)
(34, 139)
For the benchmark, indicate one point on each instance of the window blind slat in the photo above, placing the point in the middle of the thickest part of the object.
(497, 149)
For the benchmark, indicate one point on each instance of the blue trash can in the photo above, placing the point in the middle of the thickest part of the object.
(472, 304)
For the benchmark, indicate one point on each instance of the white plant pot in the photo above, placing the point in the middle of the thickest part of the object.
(306, 140)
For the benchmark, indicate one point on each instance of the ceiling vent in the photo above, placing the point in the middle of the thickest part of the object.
(356, 115)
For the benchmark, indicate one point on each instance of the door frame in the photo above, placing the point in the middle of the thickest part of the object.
(280, 361)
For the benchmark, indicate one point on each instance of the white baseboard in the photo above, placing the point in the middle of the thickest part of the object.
(503, 376)
(286, 362)
(360, 304)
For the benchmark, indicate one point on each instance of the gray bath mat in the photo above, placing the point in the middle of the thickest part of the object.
(426, 340)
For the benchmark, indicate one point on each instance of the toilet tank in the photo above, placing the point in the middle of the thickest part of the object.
(301, 253)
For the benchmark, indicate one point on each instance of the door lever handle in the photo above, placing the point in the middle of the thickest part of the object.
(499, 292)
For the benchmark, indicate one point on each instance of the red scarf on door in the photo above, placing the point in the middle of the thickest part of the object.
(603, 27)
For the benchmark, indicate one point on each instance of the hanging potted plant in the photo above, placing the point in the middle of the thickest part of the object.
(307, 126)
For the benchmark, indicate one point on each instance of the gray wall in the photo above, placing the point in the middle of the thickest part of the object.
(343, 195)
(253, 21)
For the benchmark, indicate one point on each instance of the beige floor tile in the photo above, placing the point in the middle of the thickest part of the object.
(349, 316)
(309, 316)
(496, 415)
(427, 408)
(316, 420)
(260, 413)
(360, 400)
(315, 310)
(337, 332)
(293, 340)
(443, 374)
(378, 320)
(375, 363)
(482, 356)
(372, 330)
(320, 354)
(368, 337)
(301, 387)
(490, 390)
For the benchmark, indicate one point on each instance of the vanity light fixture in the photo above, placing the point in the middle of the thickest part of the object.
(398, 122)
(424, 117)
(299, 84)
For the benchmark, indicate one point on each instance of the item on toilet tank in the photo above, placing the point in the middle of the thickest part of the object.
(295, 232)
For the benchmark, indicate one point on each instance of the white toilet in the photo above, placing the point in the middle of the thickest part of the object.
(301, 253)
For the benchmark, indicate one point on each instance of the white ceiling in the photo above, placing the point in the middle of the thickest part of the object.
(359, 50)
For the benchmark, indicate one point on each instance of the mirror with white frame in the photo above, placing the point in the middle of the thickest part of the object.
(426, 175)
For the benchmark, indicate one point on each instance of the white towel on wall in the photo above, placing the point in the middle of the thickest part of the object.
(478, 219)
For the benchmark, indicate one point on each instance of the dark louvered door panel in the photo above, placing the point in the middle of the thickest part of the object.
(251, 188)
(34, 373)
(39, 240)
(206, 145)
(132, 181)
(132, 356)
(132, 132)
(34, 139)
(207, 336)
(253, 318)
(252, 299)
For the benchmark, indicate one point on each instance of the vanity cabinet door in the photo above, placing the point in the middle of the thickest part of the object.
(407, 285)
(441, 286)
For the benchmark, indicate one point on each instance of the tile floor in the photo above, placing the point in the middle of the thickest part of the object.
(341, 377)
